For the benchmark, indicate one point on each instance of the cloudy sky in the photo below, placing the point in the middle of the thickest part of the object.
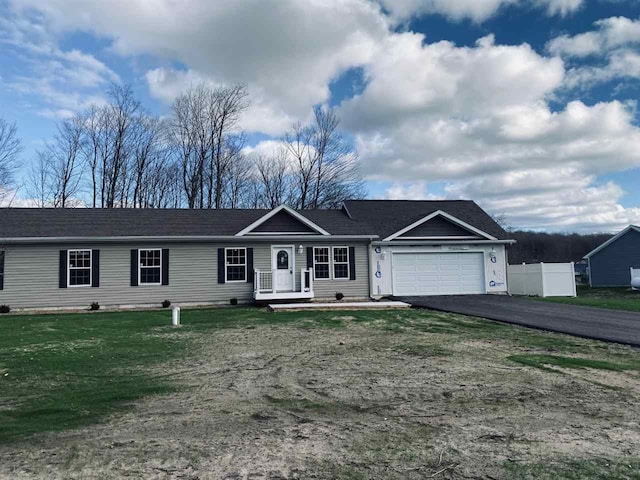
(528, 107)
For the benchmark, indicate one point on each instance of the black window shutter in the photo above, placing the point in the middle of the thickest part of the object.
(221, 265)
(95, 268)
(1, 270)
(165, 266)
(352, 263)
(63, 269)
(309, 257)
(134, 267)
(249, 265)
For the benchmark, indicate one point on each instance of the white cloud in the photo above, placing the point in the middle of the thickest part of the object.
(286, 51)
(66, 81)
(556, 199)
(610, 33)
(474, 10)
(560, 7)
(479, 119)
(408, 191)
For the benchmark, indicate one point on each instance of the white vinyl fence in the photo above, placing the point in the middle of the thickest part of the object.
(542, 279)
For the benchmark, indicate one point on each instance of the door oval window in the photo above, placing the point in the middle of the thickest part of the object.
(282, 260)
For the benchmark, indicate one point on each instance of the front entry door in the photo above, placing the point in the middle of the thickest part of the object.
(283, 262)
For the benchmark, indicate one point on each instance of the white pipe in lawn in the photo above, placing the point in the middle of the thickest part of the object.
(175, 316)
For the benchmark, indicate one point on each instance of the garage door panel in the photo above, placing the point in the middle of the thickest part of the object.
(438, 273)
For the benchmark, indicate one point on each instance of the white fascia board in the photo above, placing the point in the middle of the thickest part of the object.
(445, 215)
(611, 240)
(301, 218)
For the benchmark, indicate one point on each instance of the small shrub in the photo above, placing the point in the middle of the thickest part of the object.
(5, 308)
(339, 296)
(166, 304)
(233, 301)
(94, 306)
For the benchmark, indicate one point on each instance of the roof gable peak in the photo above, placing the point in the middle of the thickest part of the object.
(310, 227)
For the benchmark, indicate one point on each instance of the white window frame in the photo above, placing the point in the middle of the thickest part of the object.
(334, 263)
(328, 263)
(69, 267)
(140, 267)
(226, 279)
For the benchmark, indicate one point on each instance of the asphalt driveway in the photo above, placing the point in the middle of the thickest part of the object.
(589, 322)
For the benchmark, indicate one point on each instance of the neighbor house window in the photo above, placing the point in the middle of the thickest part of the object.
(235, 260)
(341, 263)
(150, 272)
(79, 268)
(321, 263)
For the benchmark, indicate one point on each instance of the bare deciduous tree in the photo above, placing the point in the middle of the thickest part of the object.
(10, 148)
(273, 177)
(63, 162)
(326, 165)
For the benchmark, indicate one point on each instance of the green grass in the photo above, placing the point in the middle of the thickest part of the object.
(64, 371)
(542, 362)
(598, 469)
(613, 298)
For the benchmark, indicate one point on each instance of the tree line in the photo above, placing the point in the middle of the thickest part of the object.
(534, 247)
(117, 155)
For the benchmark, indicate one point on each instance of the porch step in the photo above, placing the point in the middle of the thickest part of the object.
(337, 306)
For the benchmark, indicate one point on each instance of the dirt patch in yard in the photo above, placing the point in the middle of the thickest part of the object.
(358, 401)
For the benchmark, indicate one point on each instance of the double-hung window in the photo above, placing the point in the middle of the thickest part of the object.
(321, 264)
(79, 262)
(341, 263)
(235, 264)
(150, 269)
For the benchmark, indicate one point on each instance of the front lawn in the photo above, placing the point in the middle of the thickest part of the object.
(614, 298)
(245, 393)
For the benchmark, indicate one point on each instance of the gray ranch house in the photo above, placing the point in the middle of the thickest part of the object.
(57, 258)
(610, 263)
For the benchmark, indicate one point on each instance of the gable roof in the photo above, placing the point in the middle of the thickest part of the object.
(440, 214)
(123, 222)
(391, 216)
(612, 239)
(308, 225)
(358, 218)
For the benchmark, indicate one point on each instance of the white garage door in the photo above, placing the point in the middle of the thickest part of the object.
(438, 273)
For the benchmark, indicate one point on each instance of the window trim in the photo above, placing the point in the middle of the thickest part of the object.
(226, 279)
(334, 263)
(328, 263)
(90, 267)
(140, 267)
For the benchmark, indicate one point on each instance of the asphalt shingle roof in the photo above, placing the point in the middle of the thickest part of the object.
(367, 217)
(121, 222)
(390, 216)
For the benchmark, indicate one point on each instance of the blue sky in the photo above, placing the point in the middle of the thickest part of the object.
(527, 106)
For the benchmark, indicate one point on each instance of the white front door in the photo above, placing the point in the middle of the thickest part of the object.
(283, 264)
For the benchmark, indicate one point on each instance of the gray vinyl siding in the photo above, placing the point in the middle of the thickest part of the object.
(610, 266)
(31, 276)
(358, 288)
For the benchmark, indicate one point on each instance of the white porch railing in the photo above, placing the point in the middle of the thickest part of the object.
(265, 287)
